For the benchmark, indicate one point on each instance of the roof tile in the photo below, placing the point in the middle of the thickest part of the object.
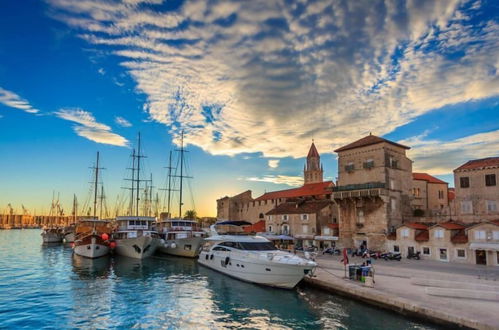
(311, 189)
(426, 177)
(479, 164)
(368, 140)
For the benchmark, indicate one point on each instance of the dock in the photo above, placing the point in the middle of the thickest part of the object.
(465, 296)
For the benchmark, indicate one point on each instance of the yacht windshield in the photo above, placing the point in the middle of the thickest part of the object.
(257, 246)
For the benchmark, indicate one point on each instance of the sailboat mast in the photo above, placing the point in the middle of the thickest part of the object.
(138, 179)
(181, 173)
(133, 182)
(95, 184)
(75, 207)
(101, 199)
(150, 198)
(169, 183)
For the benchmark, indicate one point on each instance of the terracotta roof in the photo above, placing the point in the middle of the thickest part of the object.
(311, 189)
(451, 194)
(460, 238)
(367, 141)
(479, 163)
(333, 225)
(495, 222)
(422, 236)
(257, 227)
(303, 207)
(426, 177)
(415, 225)
(313, 151)
(450, 225)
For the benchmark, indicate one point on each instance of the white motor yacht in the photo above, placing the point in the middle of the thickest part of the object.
(254, 259)
(136, 237)
(182, 237)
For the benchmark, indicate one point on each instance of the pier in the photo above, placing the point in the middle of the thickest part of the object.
(25, 221)
(443, 293)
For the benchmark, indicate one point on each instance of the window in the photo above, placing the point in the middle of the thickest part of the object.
(416, 192)
(405, 232)
(439, 233)
(257, 246)
(495, 235)
(350, 167)
(394, 204)
(479, 234)
(285, 230)
(440, 194)
(327, 231)
(396, 248)
(392, 184)
(442, 254)
(426, 251)
(270, 229)
(369, 163)
(490, 180)
(464, 182)
(360, 216)
(461, 253)
(466, 207)
(491, 206)
(304, 216)
(304, 229)
(285, 217)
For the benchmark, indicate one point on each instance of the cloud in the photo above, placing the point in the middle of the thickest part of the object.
(13, 100)
(273, 163)
(90, 129)
(122, 122)
(267, 76)
(442, 157)
(278, 179)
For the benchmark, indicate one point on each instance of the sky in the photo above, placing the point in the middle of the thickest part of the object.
(250, 83)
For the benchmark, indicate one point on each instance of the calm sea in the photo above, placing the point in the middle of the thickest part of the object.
(48, 287)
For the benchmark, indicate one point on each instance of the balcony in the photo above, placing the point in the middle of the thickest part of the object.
(371, 189)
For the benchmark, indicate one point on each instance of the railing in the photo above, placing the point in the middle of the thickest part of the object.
(369, 185)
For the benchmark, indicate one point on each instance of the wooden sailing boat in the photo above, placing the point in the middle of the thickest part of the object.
(92, 235)
(182, 237)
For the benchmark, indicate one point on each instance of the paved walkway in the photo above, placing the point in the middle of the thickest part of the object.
(393, 289)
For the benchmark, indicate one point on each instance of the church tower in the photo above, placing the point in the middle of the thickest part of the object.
(313, 171)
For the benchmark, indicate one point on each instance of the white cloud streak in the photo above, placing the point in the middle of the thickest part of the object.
(273, 163)
(274, 74)
(13, 100)
(122, 122)
(293, 181)
(90, 129)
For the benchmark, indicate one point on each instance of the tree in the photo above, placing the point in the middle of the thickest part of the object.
(190, 214)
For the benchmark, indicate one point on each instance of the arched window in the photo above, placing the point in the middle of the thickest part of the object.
(261, 216)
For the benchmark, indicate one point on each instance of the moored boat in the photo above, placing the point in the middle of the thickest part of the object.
(182, 237)
(92, 238)
(136, 237)
(254, 259)
(52, 235)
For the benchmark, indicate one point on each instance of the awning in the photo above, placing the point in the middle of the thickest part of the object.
(304, 236)
(485, 246)
(326, 238)
(273, 237)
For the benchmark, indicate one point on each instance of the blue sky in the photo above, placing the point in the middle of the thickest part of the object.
(251, 83)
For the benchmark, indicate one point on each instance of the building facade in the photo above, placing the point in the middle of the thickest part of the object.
(477, 191)
(430, 198)
(374, 183)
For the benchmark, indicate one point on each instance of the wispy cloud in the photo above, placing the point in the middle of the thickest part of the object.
(273, 163)
(122, 122)
(442, 157)
(267, 76)
(278, 179)
(13, 100)
(90, 129)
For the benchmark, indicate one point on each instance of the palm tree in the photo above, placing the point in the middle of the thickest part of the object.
(190, 214)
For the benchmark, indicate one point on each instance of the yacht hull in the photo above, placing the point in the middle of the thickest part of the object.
(91, 247)
(138, 247)
(285, 276)
(183, 247)
(51, 237)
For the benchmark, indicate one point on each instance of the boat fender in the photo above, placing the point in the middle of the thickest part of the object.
(163, 242)
(173, 245)
(227, 259)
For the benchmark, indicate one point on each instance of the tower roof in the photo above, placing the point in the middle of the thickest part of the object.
(369, 140)
(313, 151)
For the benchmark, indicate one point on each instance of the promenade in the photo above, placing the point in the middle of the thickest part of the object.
(452, 294)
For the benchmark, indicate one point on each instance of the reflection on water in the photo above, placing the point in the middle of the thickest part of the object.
(48, 286)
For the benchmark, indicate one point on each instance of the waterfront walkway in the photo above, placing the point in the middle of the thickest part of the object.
(467, 295)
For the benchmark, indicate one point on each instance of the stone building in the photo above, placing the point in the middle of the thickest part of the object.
(477, 191)
(244, 207)
(430, 199)
(301, 219)
(373, 191)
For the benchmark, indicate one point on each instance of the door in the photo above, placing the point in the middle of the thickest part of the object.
(481, 257)
(410, 251)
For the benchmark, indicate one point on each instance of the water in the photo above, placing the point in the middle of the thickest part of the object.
(48, 287)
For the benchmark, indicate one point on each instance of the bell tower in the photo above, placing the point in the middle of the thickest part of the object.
(313, 171)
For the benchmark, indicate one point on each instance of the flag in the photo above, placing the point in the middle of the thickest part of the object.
(345, 257)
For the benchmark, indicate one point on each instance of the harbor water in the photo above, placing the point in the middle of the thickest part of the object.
(49, 287)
